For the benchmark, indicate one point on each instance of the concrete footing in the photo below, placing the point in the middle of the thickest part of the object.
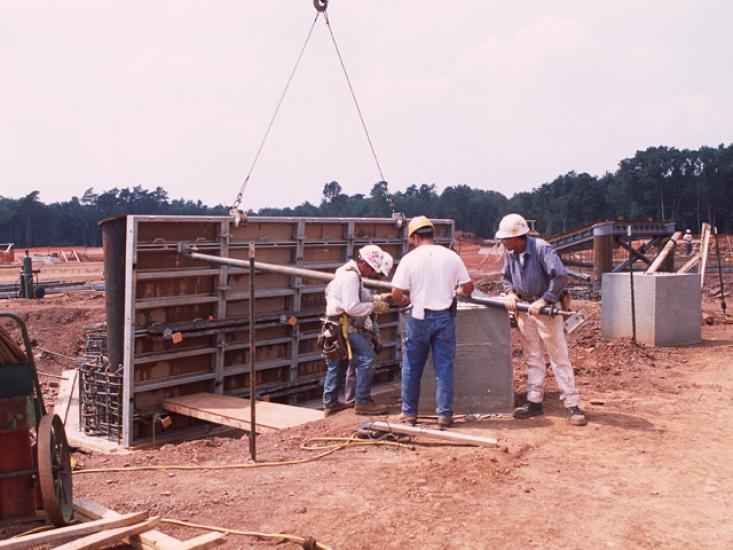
(482, 371)
(668, 308)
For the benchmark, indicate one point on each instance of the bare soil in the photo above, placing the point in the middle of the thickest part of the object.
(653, 469)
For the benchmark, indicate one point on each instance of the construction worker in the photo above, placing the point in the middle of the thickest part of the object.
(430, 274)
(534, 273)
(351, 306)
(688, 242)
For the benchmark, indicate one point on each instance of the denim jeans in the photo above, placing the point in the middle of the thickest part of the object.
(435, 332)
(363, 361)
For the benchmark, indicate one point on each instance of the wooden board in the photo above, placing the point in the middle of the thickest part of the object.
(45, 537)
(110, 536)
(85, 509)
(66, 389)
(234, 411)
(704, 246)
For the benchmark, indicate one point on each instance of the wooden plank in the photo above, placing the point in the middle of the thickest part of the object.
(704, 246)
(54, 535)
(669, 247)
(234, 411)
(689, 264)
(110, 536)
(66, 389)
(445, 435)
(149, 540)
(202, 542)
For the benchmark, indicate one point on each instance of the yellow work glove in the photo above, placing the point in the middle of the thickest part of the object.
(510, 302)
(537, 306)
(381, 307)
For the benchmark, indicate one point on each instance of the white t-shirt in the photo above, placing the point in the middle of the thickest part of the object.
(430, 273)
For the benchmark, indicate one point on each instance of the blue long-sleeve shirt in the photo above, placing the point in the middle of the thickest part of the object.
(535, 273)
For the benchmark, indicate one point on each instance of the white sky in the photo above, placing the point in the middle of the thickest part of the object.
(500, 95)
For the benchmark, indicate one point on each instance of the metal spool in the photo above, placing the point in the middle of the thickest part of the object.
(54, 470)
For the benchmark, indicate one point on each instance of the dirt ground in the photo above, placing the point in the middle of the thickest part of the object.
(653, 469)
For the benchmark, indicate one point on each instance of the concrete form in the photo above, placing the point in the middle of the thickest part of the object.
(154, 293)
(482, 372)
(668, 308)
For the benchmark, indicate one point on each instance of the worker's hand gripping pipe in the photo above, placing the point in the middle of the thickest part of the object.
(188, 250)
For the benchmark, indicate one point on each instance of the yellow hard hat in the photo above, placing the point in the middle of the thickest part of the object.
(418, 222)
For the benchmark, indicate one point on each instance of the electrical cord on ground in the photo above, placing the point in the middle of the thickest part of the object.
(308, 543)
(342, 443)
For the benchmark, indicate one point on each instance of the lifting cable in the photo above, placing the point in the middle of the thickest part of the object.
(321, 6)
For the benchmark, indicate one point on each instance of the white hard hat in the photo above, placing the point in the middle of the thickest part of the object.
(688, 231)
(512, 225)
(379, 260)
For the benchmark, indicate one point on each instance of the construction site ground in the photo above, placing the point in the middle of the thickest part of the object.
(653, 469)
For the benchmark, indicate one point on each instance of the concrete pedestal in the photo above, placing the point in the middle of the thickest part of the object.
(482, 371)
(668, 308)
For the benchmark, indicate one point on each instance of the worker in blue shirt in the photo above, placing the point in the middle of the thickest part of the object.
(533, 272)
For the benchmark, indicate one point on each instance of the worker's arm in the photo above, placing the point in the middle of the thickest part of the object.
(557, 273)
(465, 284)
(351, 296)
(465, 289)
(506, 275)
(400, 297)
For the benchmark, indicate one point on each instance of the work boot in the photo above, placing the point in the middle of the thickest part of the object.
(369, 408)
(576, 416)
(333, 408)
(407, 419)
(445, 422)
(527, 409)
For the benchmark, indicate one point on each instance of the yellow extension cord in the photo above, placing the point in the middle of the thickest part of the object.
(330, 445)
(344, 442)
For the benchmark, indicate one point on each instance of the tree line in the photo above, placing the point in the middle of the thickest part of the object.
(687, 186)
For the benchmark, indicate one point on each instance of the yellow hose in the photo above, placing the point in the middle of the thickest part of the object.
(305, 542)
(344, 442)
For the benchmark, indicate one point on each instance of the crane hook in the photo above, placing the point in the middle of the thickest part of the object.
(320, 5)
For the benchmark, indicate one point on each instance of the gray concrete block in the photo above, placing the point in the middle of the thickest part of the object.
(668, 308)
(482, 371)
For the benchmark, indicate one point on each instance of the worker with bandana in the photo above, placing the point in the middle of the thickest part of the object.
(350, 307)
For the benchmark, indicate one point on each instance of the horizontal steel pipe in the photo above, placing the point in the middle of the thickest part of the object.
(327, 277)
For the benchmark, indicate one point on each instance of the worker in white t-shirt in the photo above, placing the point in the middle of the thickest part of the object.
(429, 274)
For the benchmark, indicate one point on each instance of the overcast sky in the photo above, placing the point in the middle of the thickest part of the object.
(501, 95)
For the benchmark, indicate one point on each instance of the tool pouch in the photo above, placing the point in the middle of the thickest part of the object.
(331, 341)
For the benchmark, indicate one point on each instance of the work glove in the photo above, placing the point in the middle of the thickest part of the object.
(510, 303)
(537, 306)
(381, 307)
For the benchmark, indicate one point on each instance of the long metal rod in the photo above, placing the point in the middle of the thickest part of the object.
(327, 277)
(633, 300)
(252, 356)
(720, 274)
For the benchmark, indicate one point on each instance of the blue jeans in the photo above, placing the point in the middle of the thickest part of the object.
(363, 360)
(436, 332)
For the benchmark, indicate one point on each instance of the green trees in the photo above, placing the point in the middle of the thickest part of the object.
(682, 185)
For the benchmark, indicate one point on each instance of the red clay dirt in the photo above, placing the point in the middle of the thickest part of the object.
(653, 469)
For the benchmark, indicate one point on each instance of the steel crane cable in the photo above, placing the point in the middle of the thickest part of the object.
(238, 200)
(320, 6)
(353, 95)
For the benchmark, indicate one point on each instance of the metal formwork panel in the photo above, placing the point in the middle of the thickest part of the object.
(166, 290)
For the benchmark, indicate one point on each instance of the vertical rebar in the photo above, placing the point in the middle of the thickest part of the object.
(631, 277)
(252, 353)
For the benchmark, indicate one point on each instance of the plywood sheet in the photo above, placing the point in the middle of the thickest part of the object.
(234, 411)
